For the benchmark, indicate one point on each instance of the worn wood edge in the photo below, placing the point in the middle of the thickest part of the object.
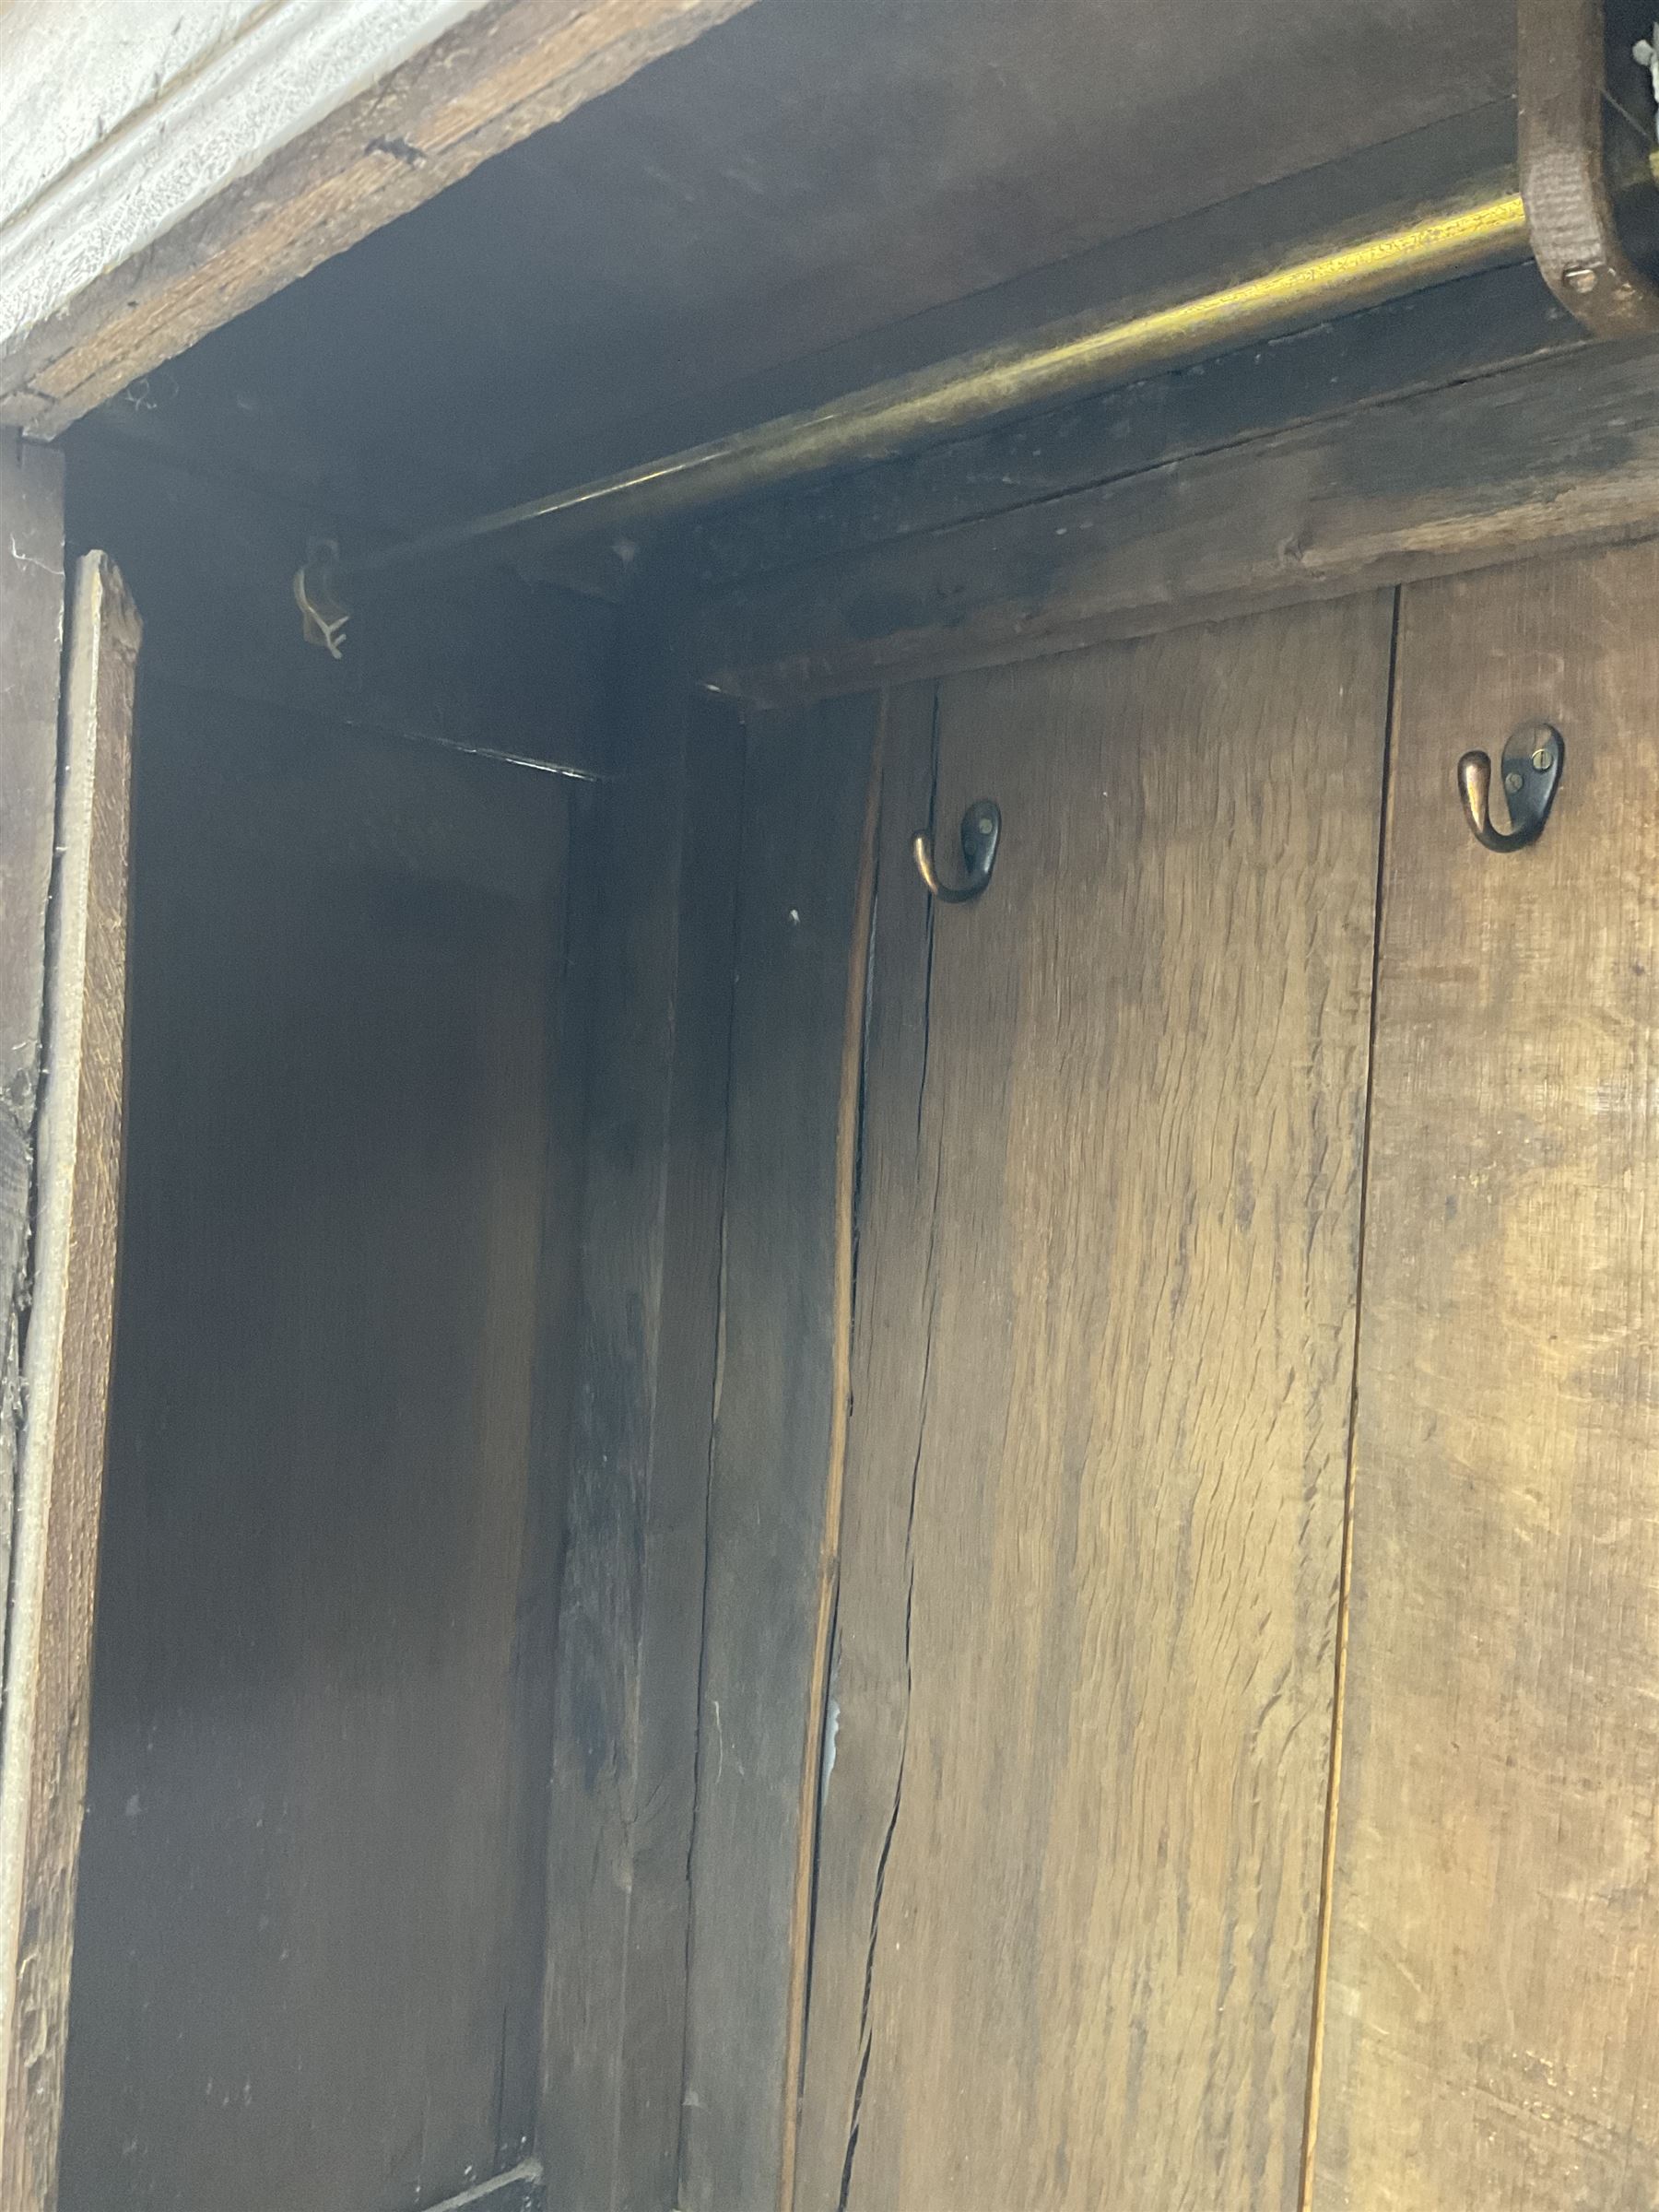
(67, 1357)
(849, 1114)
(32, 641)
(510, 69)
(1345, 1573)
(1560, 454)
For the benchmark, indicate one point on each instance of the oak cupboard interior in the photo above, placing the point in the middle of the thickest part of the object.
(769, 1541)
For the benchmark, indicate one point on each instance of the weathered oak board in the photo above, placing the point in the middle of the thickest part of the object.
(1070, 1857)
(1561, 452)
(59, 1502)
(32, 644)
(1492, 2007)
(774, 1478)
(646, 1333)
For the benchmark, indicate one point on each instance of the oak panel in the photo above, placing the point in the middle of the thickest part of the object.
(1070, 1855)
(1493, 2000)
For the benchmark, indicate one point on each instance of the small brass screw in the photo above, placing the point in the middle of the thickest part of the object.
(1581, 280)
(1542, 756)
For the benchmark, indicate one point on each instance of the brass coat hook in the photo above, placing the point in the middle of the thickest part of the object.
(981, 826)
(1531, 764)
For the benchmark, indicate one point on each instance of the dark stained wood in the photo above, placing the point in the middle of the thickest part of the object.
(1562, 452)
(570, 1017)
(303, 1847)
(630, 1613)
(774, 1497)
(1452, 332)
(31, 641)
(67, 1382)
(1492, 2034)
(1072, 1836)
(329, 129)
(868, 1673)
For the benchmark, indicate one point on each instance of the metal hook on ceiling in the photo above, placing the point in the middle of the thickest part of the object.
(323, 613)
(981, 826)
(1531, 764)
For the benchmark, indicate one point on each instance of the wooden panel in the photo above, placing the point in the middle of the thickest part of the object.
(1071, 1845)
(323, 120)
(1492, 2009)
(630, 1616)
(1560, 452)
(32, 644)
(817, 173)
(303, 1845)
(774, 1492)
(67, 1382)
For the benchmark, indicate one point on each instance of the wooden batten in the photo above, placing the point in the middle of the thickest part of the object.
(1559, 454)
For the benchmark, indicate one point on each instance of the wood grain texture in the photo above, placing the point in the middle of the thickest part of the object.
(1452, 332)
(1562, 452)
(829, 190)
(67, 1384)
(305, 1843)
(31, 642)
(1072, 1836)
(803, 932)
(1492, 2010)
(321, 122)
(630, 1610)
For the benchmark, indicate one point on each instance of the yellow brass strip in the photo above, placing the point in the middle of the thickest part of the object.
(1480, 227)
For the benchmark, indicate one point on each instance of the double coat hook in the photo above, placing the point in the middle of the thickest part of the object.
(1532, 772)
(981, 826)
